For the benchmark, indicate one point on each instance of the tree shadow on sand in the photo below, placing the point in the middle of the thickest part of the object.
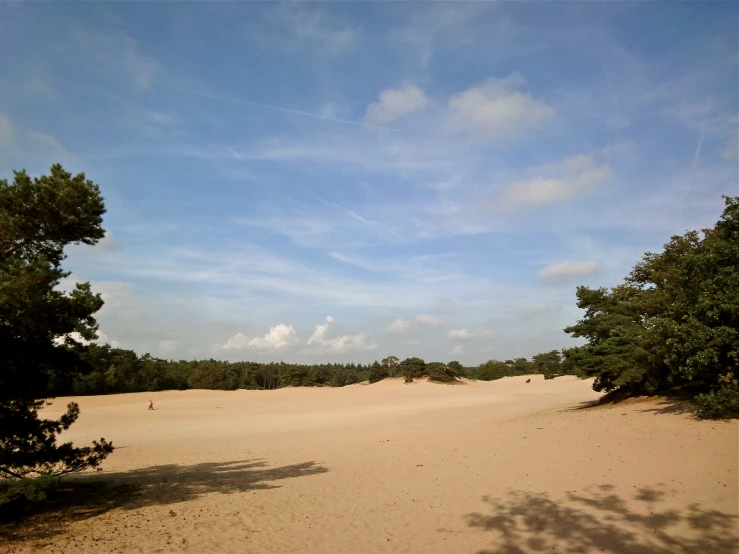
(674, 403)
(601, 521)
(85, 496)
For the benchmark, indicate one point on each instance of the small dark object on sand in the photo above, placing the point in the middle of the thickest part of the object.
(528, 380)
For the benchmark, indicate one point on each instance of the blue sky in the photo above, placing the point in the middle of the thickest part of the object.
(346, 181)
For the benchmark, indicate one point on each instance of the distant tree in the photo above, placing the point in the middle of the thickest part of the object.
(214, 375)
(492, 369)
(441, 372)
(456, 367)
(548, 364)
(519, 366)
(338, 379)
(391, 364)
(377, 372)
(39, 217)
(412, 368)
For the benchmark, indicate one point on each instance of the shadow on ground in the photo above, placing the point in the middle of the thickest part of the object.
(85, 496)
(599, 520)
(676, 404)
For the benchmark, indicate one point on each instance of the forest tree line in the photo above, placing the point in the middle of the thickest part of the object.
(107, 370)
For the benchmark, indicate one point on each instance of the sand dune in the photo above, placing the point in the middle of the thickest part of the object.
(502, 466)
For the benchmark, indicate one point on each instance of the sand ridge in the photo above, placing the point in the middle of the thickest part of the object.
(500, 466)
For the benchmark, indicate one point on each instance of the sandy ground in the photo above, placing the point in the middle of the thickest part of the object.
(504, 467)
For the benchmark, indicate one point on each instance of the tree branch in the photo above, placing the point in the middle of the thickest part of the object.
(11, 473)
(15, 247)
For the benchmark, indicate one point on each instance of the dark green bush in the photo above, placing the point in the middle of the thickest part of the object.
(440, 372)
(720, 403)
(32, 489)
(377, 372)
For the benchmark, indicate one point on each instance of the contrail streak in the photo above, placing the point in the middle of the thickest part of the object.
(285, 110)
(696, 157)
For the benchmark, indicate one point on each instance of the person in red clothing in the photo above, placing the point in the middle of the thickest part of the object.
(151, 404)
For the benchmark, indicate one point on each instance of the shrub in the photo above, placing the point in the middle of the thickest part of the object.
(440, 372)
(720, 403)
(413, 367)
(32, 489)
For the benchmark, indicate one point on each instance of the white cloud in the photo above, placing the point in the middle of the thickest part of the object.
(321, 329)
(102, 339)
(238, 342)
(400, 326)
(459, 334)
(556, 182)
(322, 344)
(465, 334)
(567, 271)
(498, 108)
(394, 103)
(429, 321)
(457, 350)
(278, 337)
(168, 346)
(109, 243)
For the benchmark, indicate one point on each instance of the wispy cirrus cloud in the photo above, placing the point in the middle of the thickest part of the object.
(117, 53)
(314, 26)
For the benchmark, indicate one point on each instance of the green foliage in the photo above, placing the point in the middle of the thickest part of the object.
(438, 371)
(28, 444)
(493, 369)
(377, 372)
(338, 379)
(456, 367)
(413, 368)
(214, 375)
(391, 365)
(548, 364)
(717, 404)
(38, 219)
(32, 489)
(674, 322)
(722, 402)
(520, 366)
